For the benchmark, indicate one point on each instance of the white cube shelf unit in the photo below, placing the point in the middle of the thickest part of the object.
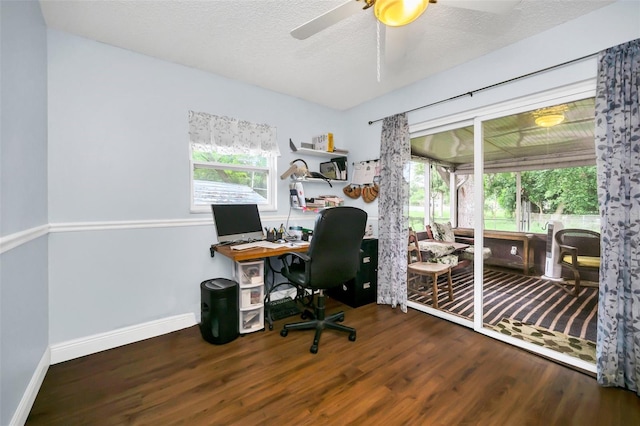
(250, 278)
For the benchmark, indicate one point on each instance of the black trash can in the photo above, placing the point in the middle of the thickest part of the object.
(219, 310)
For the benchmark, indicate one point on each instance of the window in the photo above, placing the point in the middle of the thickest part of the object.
(427, 180)
(231, 179)
(232, 162)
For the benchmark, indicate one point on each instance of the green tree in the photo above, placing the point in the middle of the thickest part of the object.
(538, 188)
(439, 188)
(579, 190)
(570, 190)
(416, 184)
(252, 179)
(501, 187)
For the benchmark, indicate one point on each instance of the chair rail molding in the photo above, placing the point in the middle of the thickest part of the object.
(126, 224)
(14, 240)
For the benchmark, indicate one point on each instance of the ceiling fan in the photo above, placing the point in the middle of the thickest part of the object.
(394, 13)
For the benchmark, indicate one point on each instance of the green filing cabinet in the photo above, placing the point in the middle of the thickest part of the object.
(364, 288)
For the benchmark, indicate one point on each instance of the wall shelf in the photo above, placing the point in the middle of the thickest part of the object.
(318, 153)
(317, 180)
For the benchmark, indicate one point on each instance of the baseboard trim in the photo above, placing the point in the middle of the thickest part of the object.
(77, 348)
(30, 393)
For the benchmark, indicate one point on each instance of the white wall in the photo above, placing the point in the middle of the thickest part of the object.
(23, 204)
(601, 29)
(118, 155)
(118, 129)
(117, 152)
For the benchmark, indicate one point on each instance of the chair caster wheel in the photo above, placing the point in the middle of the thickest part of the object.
(270, 326)
(284, 332)
(313, 349)
(352, 337)
(340, 318)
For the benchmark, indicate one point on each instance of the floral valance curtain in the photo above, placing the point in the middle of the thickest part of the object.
(618, 163)
(226, 135)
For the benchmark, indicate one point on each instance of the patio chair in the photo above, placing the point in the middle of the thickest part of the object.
(579, 250)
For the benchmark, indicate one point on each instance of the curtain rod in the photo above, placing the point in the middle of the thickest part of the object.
(470, 94)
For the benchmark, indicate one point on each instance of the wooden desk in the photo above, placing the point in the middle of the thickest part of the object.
(259, 252)
(527, 253)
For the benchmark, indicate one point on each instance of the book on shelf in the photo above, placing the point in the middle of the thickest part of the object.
(331, 200)
(323, 142)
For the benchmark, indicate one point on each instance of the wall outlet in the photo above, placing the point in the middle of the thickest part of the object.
(514, 250)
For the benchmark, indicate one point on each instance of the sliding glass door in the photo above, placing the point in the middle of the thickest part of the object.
(441, 201)
(539, 177)
(504, 182)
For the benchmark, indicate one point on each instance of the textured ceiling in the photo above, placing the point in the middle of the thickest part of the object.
(249, 41)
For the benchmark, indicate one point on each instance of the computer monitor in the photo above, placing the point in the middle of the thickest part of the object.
(237, 222)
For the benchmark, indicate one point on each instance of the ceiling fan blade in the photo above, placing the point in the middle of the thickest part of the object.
(491, 6)
(326, 20)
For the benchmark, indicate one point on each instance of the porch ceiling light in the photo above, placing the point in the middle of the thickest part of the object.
(549, 117)
(396, 13)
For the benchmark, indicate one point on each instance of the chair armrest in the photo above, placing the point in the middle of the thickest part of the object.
(573, 251)
(303, 256)
(292, 256)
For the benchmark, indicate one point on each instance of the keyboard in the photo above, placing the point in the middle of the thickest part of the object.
(283, 308)
(246, 246)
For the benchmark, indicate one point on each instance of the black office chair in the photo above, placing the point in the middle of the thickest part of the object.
(332, 259)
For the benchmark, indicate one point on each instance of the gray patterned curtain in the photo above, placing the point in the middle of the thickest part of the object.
(393, 211)
(618, 164)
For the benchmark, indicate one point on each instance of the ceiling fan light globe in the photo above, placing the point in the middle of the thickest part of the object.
(549, 120)
(396, 13)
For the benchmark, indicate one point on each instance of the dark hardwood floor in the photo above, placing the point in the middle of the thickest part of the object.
(403, 369)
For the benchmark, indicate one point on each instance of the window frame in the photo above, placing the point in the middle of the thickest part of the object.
(270, 170)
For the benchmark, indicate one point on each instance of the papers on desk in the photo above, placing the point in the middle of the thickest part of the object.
(300, 243)
(268, 245)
